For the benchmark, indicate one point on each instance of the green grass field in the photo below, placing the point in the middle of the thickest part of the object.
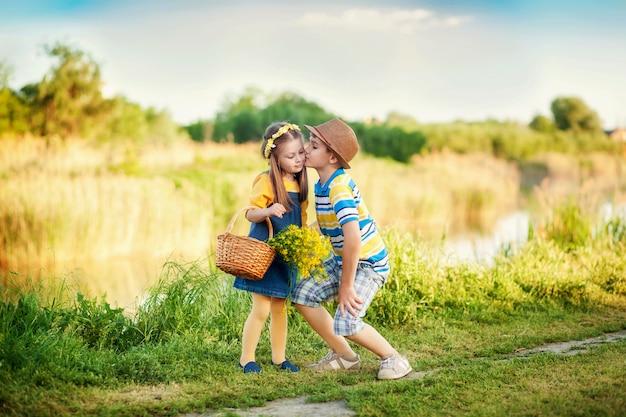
(63, 354)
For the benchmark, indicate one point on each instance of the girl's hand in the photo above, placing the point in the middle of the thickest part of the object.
(276, 210)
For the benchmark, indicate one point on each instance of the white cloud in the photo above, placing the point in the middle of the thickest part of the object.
(405, 21)
(436, 64)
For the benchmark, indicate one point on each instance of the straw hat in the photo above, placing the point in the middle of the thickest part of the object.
(339, 137)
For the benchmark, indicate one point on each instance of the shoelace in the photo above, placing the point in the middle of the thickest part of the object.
(389, 362)
(327, 357)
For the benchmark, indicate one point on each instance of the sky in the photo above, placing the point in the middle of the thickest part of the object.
(434, 60)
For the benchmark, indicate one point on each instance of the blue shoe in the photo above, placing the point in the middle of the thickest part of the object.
(288, 366)
(251, 368)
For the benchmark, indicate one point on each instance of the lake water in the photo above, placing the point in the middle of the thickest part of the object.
(510, 231)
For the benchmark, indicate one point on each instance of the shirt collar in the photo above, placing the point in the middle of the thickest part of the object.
(337, 173)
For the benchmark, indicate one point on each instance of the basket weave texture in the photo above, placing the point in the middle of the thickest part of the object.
(243, 256)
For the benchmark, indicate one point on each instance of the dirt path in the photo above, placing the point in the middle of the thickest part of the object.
(289, 407)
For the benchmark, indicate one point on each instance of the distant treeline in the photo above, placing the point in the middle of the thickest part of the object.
(68, 103)
(573, 128)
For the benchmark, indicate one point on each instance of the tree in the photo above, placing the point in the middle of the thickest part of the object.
(69, 98)
(573, 114)
(162, 129)
(237, 112)
(541, 123)
(199, 131)
(246, 126)
(13, 112)
(245, 119)
(294, 108)
(126, 122)
(384, 141)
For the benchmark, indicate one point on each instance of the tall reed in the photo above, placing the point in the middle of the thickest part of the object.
(102, 216)
(63, 201)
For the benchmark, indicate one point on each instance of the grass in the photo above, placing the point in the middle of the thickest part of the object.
(62, 353)
(185, 374)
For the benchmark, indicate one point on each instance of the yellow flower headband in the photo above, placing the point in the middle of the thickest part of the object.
(270, 142)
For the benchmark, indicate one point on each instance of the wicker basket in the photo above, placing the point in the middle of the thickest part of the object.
(243, 256)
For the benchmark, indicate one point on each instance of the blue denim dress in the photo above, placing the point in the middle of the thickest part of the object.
(279, 279)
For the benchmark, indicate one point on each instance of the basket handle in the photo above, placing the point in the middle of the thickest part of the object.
(232, 220)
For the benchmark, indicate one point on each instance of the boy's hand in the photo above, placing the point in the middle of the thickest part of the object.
(349, 301)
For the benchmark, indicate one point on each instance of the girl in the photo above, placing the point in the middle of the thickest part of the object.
(280, 195)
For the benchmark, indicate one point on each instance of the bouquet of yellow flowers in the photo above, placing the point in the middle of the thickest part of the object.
(304, 249)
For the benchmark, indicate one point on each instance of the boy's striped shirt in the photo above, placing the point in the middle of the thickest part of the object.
(338, 202)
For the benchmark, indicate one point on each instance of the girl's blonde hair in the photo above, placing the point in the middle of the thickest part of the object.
(276, 175)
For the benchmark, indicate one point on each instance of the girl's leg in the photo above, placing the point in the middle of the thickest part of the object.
(253, 327)
(278, 329)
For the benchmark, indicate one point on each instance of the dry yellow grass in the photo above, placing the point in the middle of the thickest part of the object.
(63, 203)
(62, 200)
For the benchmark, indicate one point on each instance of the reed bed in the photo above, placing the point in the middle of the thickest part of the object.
(102, 216)
(74, 200)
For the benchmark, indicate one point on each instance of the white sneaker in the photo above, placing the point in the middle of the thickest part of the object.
(394, 367)
(335, 362)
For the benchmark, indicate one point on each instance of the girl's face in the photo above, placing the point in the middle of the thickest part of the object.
(317, 153)
(291, 156)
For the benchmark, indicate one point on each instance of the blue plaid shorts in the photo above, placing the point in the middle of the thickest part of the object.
(309, 292)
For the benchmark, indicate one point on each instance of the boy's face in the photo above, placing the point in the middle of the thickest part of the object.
(317, 154)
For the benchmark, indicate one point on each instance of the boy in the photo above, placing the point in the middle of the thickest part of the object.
(359, 266)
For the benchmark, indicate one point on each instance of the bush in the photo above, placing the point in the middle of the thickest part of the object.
(389, 142)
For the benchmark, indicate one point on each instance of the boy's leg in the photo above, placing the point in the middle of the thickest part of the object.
(322, 322)
(392, 364)
(373, 341)
(340, 356)
(308, 297)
